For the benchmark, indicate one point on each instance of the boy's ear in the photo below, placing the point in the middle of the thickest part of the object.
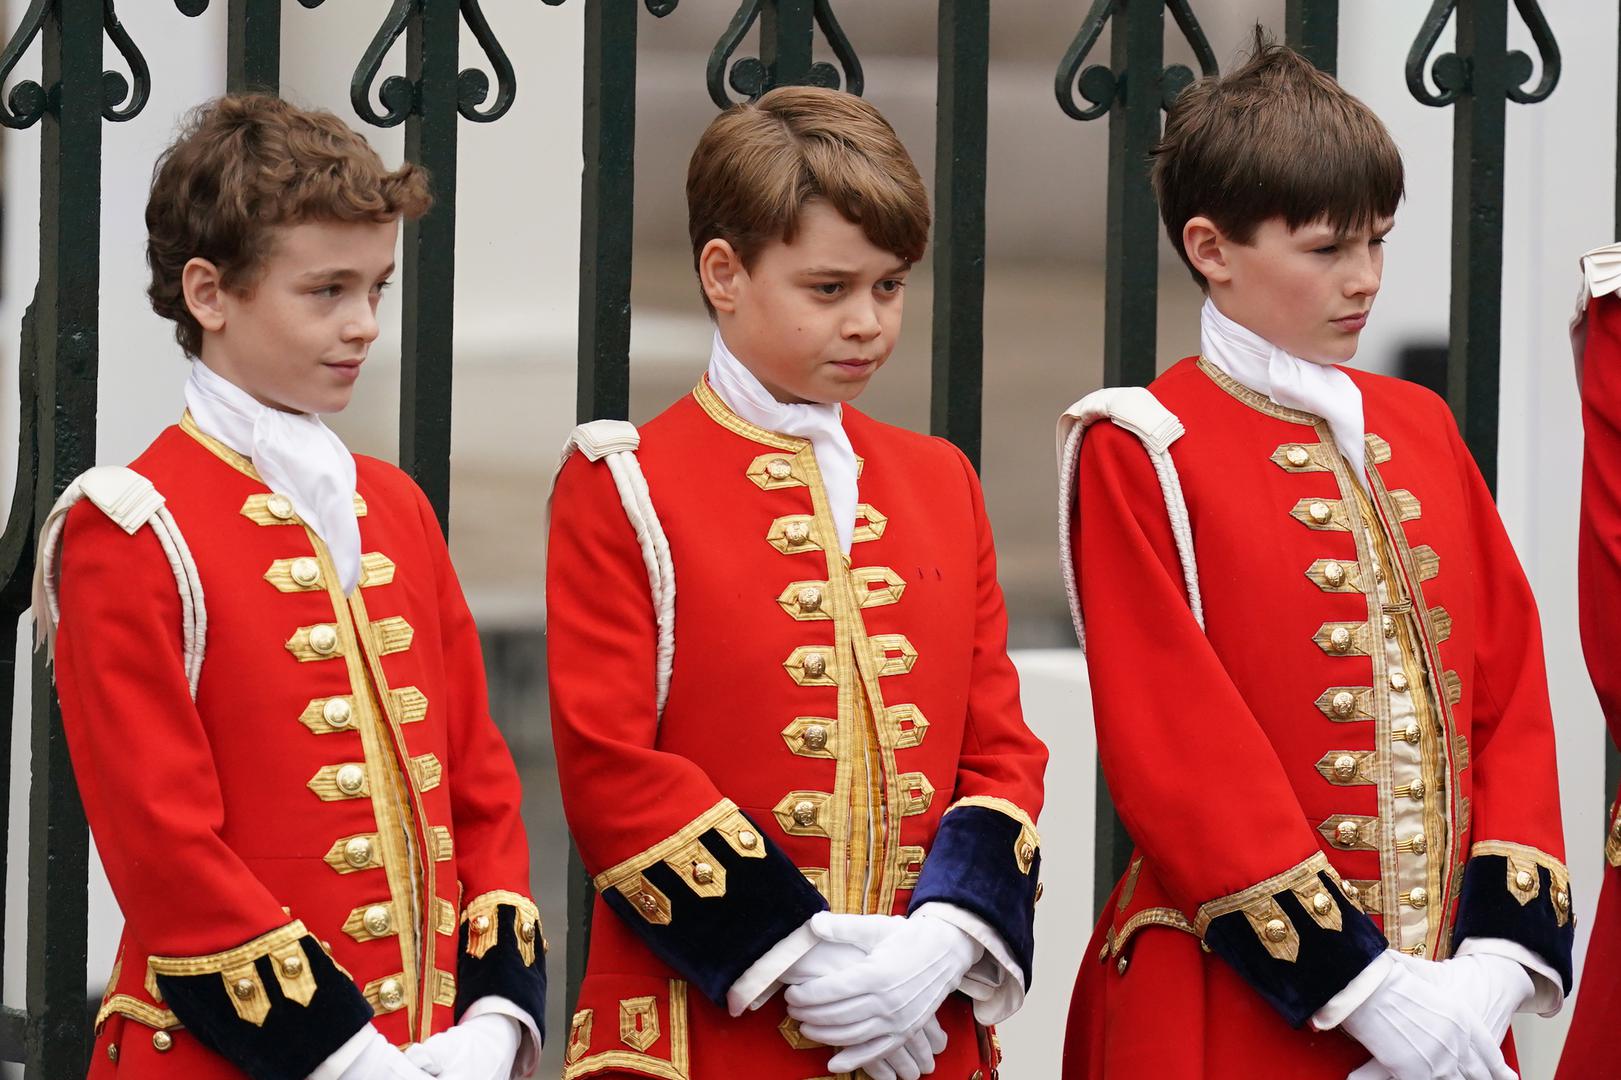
(200, 284)
(719, 269)
(1206, 248)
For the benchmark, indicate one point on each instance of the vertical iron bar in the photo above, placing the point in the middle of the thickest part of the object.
(1477, 228)
(66, 307)
(253, 46)
(959, 229)
(1312, 27)
(431, 41)
(602, 381)
(786, 29)
(1131, 289)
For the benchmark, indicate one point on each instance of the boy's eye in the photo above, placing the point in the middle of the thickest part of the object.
(328, 292)
(828, 288)
(1329, 250)
(382, 286)
(891, 285)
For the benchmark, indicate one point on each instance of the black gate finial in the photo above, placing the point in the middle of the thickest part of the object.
(784, 51)
(1099, 85)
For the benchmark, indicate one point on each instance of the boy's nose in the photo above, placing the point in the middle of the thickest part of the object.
(363, 327)
(862, 323)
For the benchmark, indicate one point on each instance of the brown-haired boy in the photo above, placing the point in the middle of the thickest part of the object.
(824, 716)
(1315, 662)
(271, 685)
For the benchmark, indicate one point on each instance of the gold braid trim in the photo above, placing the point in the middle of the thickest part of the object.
(1522, 881)
(724, 817)
(142, 1012)
(484, 927)
(1156, 916)
(237, 969)
(1273, 927)
(1028, 842)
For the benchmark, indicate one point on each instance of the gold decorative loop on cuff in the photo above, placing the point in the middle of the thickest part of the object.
(483, 925)
(648, 900)
(1523, 882)
(1273, 927)
(691, 860)
(238, 970)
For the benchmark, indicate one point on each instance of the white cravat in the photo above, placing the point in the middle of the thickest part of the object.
(295, 454)
(823, 425)
(1319, 389)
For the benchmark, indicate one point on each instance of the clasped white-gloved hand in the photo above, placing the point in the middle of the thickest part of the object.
(1417, 1031)
(824, 958)
(1494, 988)
(883, 1003)
(480, 1048)
(379, 1060)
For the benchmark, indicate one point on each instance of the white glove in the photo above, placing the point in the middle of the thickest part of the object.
(873, 1007)
(824, 958)
(913, 1058)
(1417, 1031)
(1493, 987)
(479, 1048)
(375, 1059)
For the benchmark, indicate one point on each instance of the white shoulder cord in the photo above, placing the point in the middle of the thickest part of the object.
(1139, 412)
(615, 442)
(130, 500)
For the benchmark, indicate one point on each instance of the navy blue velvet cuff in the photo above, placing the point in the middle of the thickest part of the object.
(503, 970)
(711, 938)
(986, 862)
(1493, 904)
(293, 1039)
(1326, 962)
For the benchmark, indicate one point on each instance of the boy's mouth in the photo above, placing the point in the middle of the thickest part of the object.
(1352, 323)
(855, 365)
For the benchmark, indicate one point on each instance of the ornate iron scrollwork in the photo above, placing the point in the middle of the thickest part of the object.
(28, 100)
(749, 76)
(1099, 85)
(398, 94)
(114, 87)
(1451, 72)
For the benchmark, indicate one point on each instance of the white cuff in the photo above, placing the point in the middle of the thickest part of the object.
(344, 1056)
(529, 1041)
(995, 982)
(755, 986)
(1358, 990)
(1548, 990)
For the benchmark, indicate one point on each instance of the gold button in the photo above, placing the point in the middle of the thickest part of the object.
(1276, 930)
(1419, 844)
(746, 839)
(1344, 703)
(1027, 852)
(1420, 949)
(243, 988)
(351, 779)
(815, 665)
(1297, 456)
(161, 1041)
(814, 737)
(526, 930)
(648, 901)
(1379, 571)
(1120, 965)
(779, 469)
(804, 812)
(292, 966)
(1041, 887)
(1415, 790)
(1398, 681)
(1352, 893)
(703, 873)
(1333, 573)
(112, 1051)
(1345, 766)
(390, 995)
(377, 920)
(1419, 897)
(280, 506)
(481, 924)
(1320, 513)
(1389, 623)
(810, 598)
(1524, 880)
(306, 571)
(1340, 639)
(1412, 732)
(1345, 833)
(796, 533)
(323, 639)
(357, 852)
(336, 712)
(1561, 900)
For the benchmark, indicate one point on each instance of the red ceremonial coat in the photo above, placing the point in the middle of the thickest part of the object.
(1355, 751)
(840, 731)
(312, 839)
(1590, 1048)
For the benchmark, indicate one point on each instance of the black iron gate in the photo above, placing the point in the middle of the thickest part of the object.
(59, 347)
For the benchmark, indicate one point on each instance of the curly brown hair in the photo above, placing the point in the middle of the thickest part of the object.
(244, 165)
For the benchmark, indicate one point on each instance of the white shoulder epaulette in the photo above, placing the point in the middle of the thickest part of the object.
(1138, 411)
(130, 500)
(615, 442)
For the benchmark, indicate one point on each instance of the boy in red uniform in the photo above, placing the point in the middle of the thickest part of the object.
(778, 661)
(1315, 661)
(1590, 1048)
(271, 685)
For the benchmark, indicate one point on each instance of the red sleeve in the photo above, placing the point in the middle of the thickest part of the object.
(1599, 552)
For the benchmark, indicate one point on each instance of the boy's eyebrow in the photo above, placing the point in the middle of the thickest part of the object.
(836, 271)
(340, 273)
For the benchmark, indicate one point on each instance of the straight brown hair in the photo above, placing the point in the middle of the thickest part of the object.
(759, 163)
(244, 165)
(1275, 138)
